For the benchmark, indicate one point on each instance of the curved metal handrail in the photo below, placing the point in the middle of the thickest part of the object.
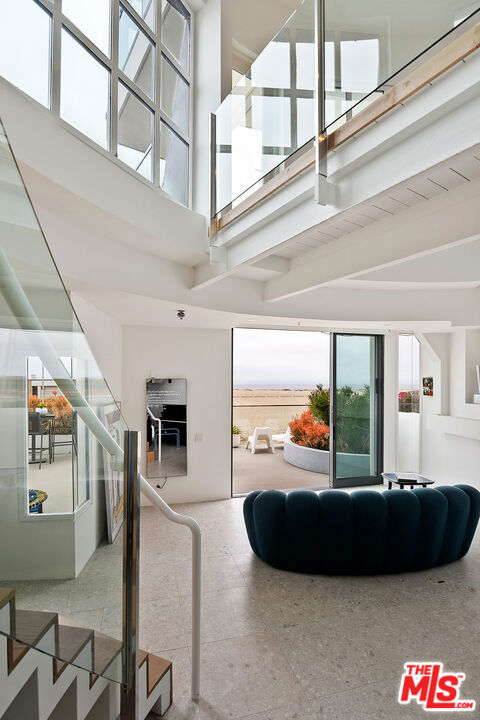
(194, 527)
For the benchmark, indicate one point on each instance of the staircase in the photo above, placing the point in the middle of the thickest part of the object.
(36, 685)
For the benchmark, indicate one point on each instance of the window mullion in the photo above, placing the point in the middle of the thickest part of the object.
(136, 90)
(173, 126)
(158, 89)
(56, 56)
(173, 61)
(84, 40)
(139, 20)
(114, 78)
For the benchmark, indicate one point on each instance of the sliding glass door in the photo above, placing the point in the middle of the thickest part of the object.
(356, 410)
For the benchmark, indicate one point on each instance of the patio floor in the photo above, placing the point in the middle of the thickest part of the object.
(269, 471)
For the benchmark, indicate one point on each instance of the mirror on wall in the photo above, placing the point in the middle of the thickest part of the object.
(166, 431)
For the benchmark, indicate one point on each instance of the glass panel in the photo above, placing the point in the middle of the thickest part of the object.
(359, 63)
(136, 54)
(408, 404)
(85, 91)
(173, 165)
(356, 407)
(176, 31)
(269, 114)
(175, 96)
(365, 44)
(382, 36)
(92, 17)
(58, 553)
(146, 10)
(135, 132)
(25, 39)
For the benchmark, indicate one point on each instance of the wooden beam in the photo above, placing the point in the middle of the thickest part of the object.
(447, 58)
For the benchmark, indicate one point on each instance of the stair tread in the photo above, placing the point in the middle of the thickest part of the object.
(105, 650)
(142, 656)
(16, 652)
(6, 595)
(157, 667)
(31, 625)
(71, 641)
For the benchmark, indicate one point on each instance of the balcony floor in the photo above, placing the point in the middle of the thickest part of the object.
(269, 471)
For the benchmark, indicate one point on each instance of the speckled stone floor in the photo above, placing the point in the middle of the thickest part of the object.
(282, 646)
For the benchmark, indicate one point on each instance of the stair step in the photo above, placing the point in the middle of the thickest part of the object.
(157, 667)
(6, 595)
(105, 650)
(142, 656)
(15, 652)
(71, 641)
(31, 625)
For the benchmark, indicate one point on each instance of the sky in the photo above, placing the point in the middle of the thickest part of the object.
(280, 359)
(300, 360)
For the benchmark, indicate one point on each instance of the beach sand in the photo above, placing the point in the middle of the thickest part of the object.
(267, 408)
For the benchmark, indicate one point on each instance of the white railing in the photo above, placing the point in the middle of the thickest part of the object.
(192, 524)
(41, 346)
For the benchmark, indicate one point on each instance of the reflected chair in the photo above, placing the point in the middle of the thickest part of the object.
(64, 427)
(37, 426)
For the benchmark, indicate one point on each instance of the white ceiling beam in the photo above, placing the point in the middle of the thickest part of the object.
(447, 219)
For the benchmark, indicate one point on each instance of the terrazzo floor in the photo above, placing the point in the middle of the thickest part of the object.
(284, 646)
(278, 645)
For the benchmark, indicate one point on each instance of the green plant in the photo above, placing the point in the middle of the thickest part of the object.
(353, 420)
(319, 404)
(236, 430)
(41, 405)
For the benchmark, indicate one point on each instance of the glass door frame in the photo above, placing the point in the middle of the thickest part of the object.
(379, 357)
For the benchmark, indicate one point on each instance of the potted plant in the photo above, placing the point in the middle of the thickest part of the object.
(236, 432)
(41, 409)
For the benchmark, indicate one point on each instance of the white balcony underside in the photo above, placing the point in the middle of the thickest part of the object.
(418, 167)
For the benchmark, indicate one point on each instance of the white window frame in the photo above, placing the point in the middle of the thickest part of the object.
(59, 21)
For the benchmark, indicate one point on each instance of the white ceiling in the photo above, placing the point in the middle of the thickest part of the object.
(254, 24)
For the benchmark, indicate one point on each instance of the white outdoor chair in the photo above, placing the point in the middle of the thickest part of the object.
(260, 433)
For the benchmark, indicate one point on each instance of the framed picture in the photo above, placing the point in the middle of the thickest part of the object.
(113, 478)
(428, 386)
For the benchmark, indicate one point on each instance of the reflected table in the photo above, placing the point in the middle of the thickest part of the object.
(406, 478)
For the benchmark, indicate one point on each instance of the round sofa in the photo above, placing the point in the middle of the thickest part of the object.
(362, 533)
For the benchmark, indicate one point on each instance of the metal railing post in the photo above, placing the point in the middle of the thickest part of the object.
(131, 544)
(320, 121)
(213, 167)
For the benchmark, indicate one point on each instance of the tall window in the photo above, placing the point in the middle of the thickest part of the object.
(118, 72)
(408, 458)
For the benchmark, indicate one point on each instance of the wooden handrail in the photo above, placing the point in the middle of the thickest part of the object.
(419, 78)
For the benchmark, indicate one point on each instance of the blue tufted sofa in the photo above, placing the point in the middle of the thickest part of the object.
(363, 533)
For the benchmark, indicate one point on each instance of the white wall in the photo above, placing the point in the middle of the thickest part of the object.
(203, 357)
(104, 335)
(212, 82)
(448, 458)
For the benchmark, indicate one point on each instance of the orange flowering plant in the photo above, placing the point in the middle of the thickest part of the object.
(56, 405)
(306, 431)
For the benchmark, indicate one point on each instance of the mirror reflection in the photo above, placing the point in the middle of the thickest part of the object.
(166, 431)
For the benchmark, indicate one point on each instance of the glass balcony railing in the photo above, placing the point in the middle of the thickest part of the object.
(269, 116)
(61, 492)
